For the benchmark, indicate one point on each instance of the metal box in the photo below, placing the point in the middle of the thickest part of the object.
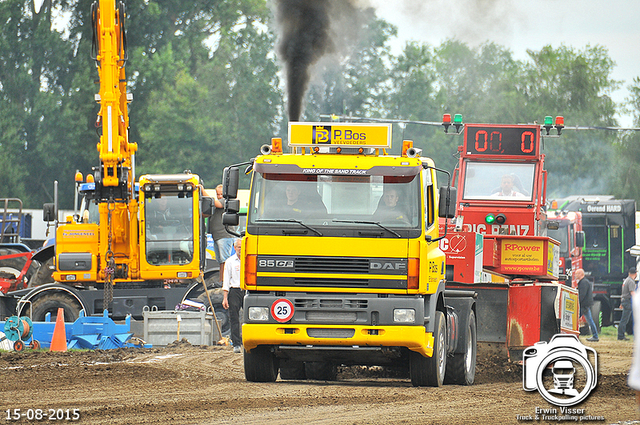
(161, 327)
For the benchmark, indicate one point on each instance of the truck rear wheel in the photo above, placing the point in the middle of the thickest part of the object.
(321, 371)
(429, 371)
(260, 365)
(50, 303)
(461, 368)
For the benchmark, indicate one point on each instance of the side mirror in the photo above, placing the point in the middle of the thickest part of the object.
(206, 206)
(232, 206)
(580, 239)
(447, 204)
(230, 181)
(49, 212)
(230, 219)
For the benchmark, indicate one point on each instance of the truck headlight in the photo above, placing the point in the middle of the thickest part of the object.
(260, 314)
(404, 315)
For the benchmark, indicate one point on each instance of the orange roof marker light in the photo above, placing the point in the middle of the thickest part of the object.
(406, 145)
(79, 178)
(276, 145)
(90, 178)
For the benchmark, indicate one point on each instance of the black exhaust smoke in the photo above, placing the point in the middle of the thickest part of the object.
(309, 30)
(304, 38)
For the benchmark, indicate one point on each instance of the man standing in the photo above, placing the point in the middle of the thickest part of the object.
(222, 240)
(628, 289)
(585, 295)
(232, 295)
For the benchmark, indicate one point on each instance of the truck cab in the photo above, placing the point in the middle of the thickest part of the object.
(341, 263)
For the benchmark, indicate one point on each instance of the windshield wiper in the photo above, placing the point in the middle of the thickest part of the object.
(289, 220)
(377, 223)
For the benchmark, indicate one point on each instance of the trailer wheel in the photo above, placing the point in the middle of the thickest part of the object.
(43, 275)
(461, 368)
(291, 369)
(50, 303)
(260, 365)
(321, 371)
(429, 371)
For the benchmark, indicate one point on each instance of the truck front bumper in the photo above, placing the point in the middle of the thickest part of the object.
(413, 337)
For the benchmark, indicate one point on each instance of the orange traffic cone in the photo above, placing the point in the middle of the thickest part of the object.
(59, 340)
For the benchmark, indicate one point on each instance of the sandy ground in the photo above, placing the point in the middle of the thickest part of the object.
(186, 384)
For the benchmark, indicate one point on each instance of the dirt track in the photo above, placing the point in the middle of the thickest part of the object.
(184, 384)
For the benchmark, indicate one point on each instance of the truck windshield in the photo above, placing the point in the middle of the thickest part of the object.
(491, 181)
(169, 229)
(562, 236)
(336, 201)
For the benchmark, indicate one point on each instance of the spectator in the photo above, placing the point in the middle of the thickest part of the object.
(233, 295)
(634, 373)
(628, 290)
(585, 294)
(222, 240)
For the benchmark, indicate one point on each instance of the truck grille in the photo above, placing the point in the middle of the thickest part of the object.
(331, 264)
(313, 281)
(333, 303)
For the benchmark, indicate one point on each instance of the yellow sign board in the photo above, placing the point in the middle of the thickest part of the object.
(522, 256)
(311, 134)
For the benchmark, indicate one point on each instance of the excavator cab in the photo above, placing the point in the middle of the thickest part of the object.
(171, 226)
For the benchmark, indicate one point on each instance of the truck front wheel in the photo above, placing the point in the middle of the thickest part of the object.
(429, 371)
(461, 368)
(260, 365)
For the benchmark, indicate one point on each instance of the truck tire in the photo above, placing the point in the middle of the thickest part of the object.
(50, 302)
(43, 275)
(291, 369)
(461, 368)
(223, 320)
(595, 313)
(429, 371)
(321, 371)
(260, 365)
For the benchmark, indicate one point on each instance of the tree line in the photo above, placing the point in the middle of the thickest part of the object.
(208, 92)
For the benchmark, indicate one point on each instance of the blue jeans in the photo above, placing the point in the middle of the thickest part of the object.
(223, 248)
(592, 325)
(624, 320)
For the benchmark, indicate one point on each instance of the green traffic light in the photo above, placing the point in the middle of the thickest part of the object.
(548, 121)
(490, 218)
(457, 119)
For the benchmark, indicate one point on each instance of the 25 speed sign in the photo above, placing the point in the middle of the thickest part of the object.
(282, 310)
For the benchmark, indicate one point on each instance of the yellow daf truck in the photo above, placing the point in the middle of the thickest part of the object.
(341, 262)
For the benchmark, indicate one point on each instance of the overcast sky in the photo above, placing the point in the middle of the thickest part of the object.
(519, 25)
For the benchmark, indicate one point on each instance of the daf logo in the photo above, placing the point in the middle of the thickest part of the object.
(387, 265)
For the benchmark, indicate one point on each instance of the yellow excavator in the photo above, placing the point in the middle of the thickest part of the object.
(143, 243)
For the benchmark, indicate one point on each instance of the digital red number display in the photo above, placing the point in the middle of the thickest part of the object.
(518, 141)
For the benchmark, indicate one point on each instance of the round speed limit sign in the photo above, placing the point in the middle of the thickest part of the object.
(282, 310)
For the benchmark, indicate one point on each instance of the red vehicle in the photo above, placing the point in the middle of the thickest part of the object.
(502, 224)
(571, 237)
